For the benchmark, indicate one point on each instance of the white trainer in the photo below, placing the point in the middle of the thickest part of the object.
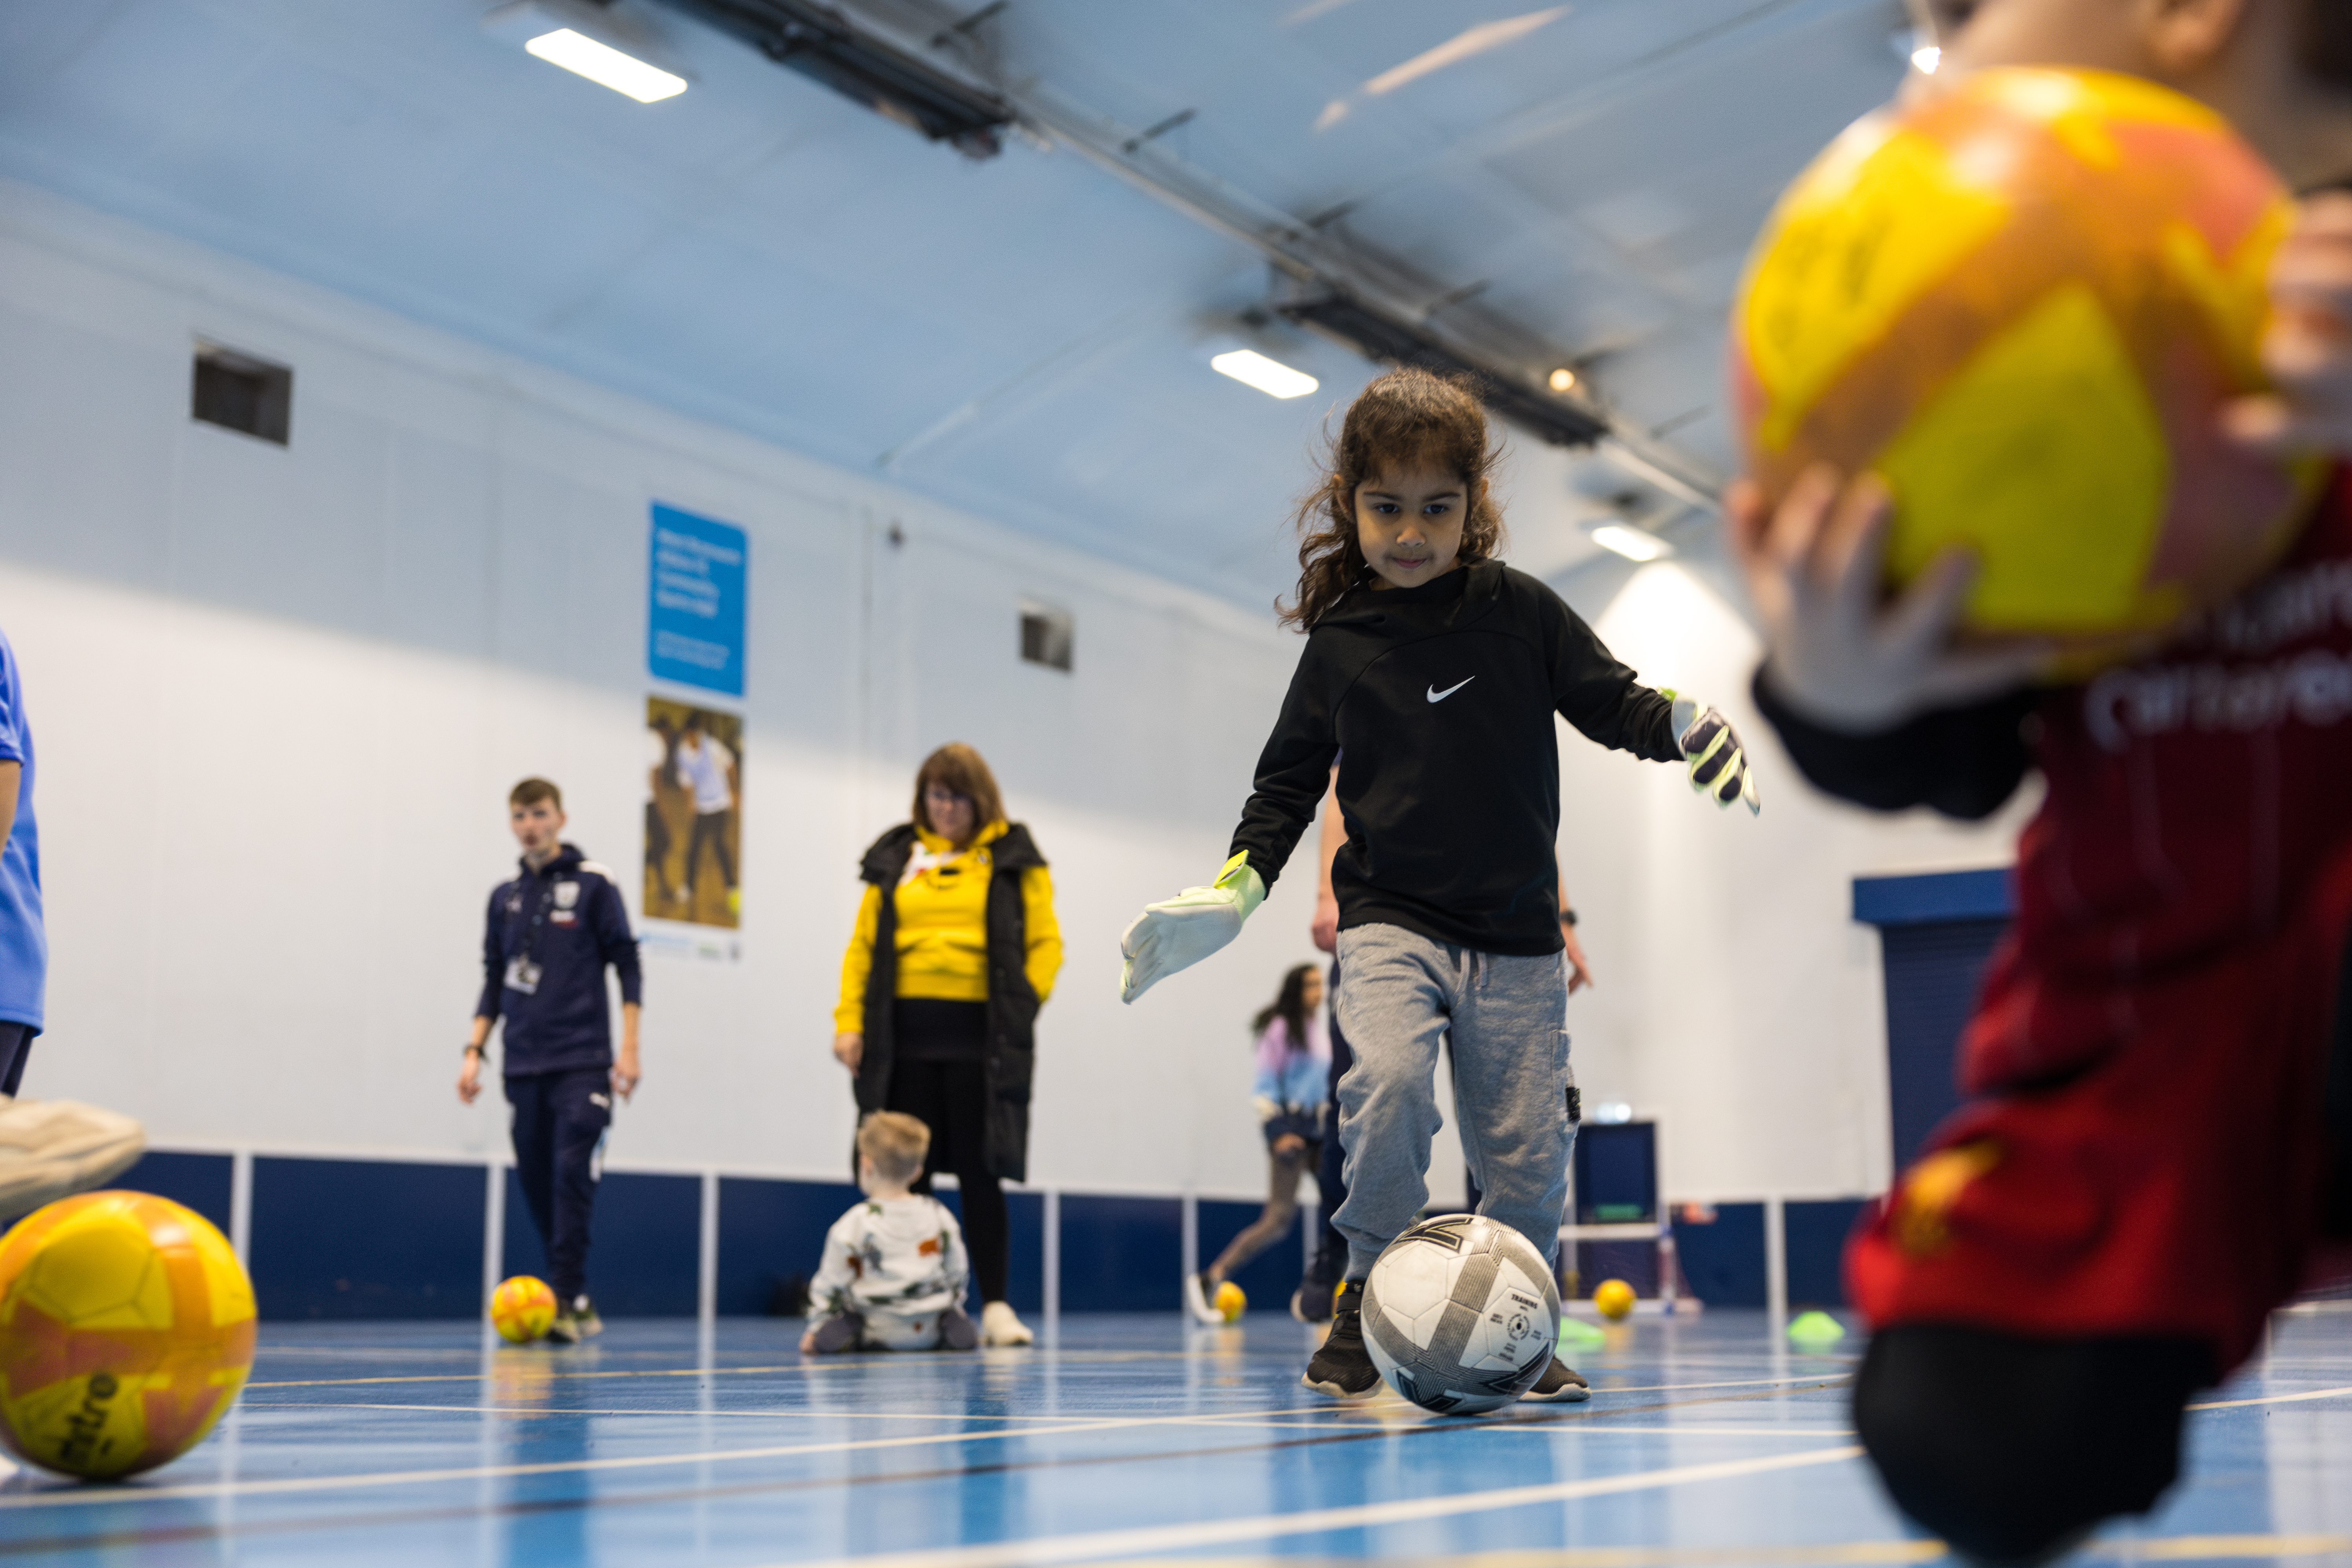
(50, 1149)
(998, 1326)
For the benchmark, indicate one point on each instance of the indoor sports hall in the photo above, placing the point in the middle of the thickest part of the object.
(647, 623)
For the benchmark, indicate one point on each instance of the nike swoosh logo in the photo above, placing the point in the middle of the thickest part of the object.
(1437, 696)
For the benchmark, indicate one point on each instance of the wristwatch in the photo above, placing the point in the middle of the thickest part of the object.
(1567, 917)
(474, 1050)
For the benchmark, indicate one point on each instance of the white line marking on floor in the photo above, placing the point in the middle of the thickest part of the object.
(1315, 1521)
(2273, 1399)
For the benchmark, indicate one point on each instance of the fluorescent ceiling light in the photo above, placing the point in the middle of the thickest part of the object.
(1630, 542)
(1926, 58)
(606, 66)
(1270, 377)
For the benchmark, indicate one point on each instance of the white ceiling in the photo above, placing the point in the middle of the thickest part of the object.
(1027, 336)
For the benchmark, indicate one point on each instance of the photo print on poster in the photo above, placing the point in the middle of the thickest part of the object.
(694, 821)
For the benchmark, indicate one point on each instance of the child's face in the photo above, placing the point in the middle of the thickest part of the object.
(1409, 521)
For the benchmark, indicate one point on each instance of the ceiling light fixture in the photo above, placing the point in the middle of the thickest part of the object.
(1633, 544)
(606, 66)
(1563, 380)
(1926, 58)
(1270, 377)
(839, 47)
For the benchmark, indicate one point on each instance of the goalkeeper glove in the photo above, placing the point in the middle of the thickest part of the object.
(1718, 766)
(1178, 932)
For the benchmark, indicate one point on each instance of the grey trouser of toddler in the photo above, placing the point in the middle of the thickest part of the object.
(1400, 994)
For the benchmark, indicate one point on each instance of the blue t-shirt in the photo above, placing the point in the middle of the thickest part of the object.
(24, 943)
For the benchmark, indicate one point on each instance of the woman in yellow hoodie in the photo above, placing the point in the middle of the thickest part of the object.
(956, 947)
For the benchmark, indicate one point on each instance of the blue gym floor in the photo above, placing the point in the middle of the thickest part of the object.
(1134, 1439)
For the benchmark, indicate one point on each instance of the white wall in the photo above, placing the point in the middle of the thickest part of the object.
(1738, 1002)
(280, 695)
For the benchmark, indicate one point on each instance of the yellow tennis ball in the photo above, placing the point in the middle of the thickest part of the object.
(126, 1332)
(521, 1309)
(1229, 1301)
(1614, 1299)
(2023, 303)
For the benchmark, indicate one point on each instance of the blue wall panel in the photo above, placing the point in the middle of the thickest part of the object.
(643, 1244)
(648, 1240)
(200, 1180)
(1817, 1230)
(366, 1239)
(1933, 974)
(1120, 1254)
(1724, 1260)
(1025, 1272)
(769, 1232)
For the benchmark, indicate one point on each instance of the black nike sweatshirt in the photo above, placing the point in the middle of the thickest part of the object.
(1438, 704)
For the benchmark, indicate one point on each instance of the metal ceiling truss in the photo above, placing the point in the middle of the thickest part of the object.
(937, 72)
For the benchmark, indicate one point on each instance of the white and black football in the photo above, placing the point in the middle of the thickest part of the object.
(1461, 1314)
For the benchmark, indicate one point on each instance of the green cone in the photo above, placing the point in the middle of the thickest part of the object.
(1815, 1329)
(1577, 1331)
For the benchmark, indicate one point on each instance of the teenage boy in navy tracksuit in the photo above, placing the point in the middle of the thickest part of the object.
(551, 932)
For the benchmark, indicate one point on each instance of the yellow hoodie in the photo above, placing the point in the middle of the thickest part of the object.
(942, 936)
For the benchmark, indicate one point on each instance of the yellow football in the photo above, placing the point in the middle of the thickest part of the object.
(1230, 1303)
(1614, 1299)
(2024, 303)
(521, 1309)
(126, 1332)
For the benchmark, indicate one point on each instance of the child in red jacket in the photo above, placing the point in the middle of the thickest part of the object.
(2155, 1155)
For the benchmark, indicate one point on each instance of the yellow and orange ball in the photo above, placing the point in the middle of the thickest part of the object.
(2024, 303)
(1229, 1302)
(126, 1332)
(521, 1309)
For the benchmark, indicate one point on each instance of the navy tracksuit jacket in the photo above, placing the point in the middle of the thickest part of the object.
(549, 935)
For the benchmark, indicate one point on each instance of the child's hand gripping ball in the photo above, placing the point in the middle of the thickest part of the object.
(1614, 1299)
(126, 1332)
(521, 1309)
(2026, 303)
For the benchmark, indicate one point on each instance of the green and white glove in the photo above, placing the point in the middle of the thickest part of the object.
(1178, 932)
(1718, 766)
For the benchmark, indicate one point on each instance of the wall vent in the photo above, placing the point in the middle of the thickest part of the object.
(238, 392)
(1046, 637)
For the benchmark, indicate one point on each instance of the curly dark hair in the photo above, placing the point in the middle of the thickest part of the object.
(1406, 417)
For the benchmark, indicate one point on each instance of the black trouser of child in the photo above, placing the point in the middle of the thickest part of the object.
(940, 1080)
(15, 1049)
(2013, 1448)
(711, 827)
(559, 1119)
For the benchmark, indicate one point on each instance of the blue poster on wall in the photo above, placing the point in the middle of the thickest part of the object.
(694, 624)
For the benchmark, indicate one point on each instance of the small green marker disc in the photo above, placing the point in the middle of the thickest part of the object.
(1816, 1329)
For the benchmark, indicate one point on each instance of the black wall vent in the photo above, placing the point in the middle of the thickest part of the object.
(1046, 637)
(240, 393)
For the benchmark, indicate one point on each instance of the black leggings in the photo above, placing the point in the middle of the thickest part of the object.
(950, 1098)
(2013, 1448)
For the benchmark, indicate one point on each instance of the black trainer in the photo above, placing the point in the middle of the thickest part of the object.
(1343, 1368)
(1560, 1385)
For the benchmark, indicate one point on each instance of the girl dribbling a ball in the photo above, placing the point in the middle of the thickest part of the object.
(1431, 675)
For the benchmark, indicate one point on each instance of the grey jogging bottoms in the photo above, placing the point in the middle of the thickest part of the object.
(1400, 994)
